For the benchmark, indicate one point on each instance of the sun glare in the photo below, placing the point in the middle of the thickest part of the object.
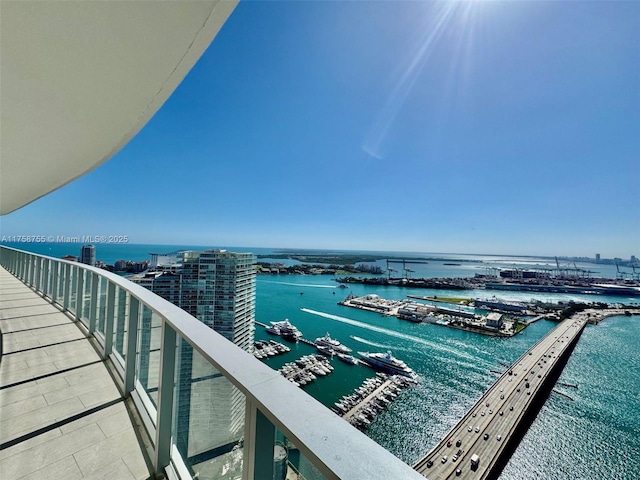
(450, 25)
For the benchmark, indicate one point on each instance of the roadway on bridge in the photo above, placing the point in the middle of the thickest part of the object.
(488, 426)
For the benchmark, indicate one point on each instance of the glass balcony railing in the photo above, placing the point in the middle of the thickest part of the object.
(211, 410)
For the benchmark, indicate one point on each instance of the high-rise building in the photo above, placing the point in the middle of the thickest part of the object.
(597, 258)
(218, 288)
(215, 286)
(88, 255)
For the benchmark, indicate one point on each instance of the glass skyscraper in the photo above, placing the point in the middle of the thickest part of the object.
(218, 288)
(88, 255)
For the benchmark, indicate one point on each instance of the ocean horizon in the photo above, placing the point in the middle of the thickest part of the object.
(109, 253)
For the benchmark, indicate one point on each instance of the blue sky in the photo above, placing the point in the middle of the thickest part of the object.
(480, 127)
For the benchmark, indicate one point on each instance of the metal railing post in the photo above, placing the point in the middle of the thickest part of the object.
(80, 294)
(27, 267)
(121, 322)
(67, 286)
(132, 342)
(18, 265)
(93, 304)
(166, 384)
(28, 271)
(259, 440)
(32, 269)
(54, 281)
(109, 319)
(32, 272)
(45, 278)
(38, 277)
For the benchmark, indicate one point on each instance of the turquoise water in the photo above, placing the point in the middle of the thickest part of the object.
(596, 436)
(455, 369)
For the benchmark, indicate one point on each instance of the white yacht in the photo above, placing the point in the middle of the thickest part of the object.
(331, 343)
(387, 362)
(286, 330)
(348, 358)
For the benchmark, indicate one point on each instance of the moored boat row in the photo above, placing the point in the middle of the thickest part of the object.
(306, 369)
(264, 349)
(367, 401)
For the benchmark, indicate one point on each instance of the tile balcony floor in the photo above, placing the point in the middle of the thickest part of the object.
(61, 415)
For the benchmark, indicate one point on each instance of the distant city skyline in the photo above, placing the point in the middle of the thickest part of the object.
(471, 127)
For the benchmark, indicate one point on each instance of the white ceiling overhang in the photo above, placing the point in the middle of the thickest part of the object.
(78, 79)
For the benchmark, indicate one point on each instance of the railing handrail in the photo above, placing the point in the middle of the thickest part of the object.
(334, 446)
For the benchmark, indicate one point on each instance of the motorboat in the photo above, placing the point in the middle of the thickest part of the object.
(387, 362)
(331, 343)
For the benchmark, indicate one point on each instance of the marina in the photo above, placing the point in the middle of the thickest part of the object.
(362, 406)
(263, 349)
(306, 369)
(327, 347)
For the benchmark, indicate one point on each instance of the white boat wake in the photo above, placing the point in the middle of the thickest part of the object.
(374, 344)
(433, 345)
(311, 285)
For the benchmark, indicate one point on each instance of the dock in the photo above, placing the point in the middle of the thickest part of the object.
(493, 427)
(370, 398)
(367, 400)
(305, 369)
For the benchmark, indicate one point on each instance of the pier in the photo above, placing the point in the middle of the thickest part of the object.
(479, 446)
(306, 369)
(378, 391)
(372, 397)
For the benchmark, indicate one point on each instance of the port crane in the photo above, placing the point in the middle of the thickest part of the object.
(559, 270)
(636, 275)
(620, 275)
(390, 269)
(405, 269)
(567, 271)
(582, 272)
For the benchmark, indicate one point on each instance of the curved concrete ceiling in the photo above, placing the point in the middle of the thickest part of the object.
(78, 79)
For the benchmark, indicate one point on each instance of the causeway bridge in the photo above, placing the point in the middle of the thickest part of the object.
(480, 445)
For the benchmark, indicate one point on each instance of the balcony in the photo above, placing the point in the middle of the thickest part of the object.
(92, 384)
